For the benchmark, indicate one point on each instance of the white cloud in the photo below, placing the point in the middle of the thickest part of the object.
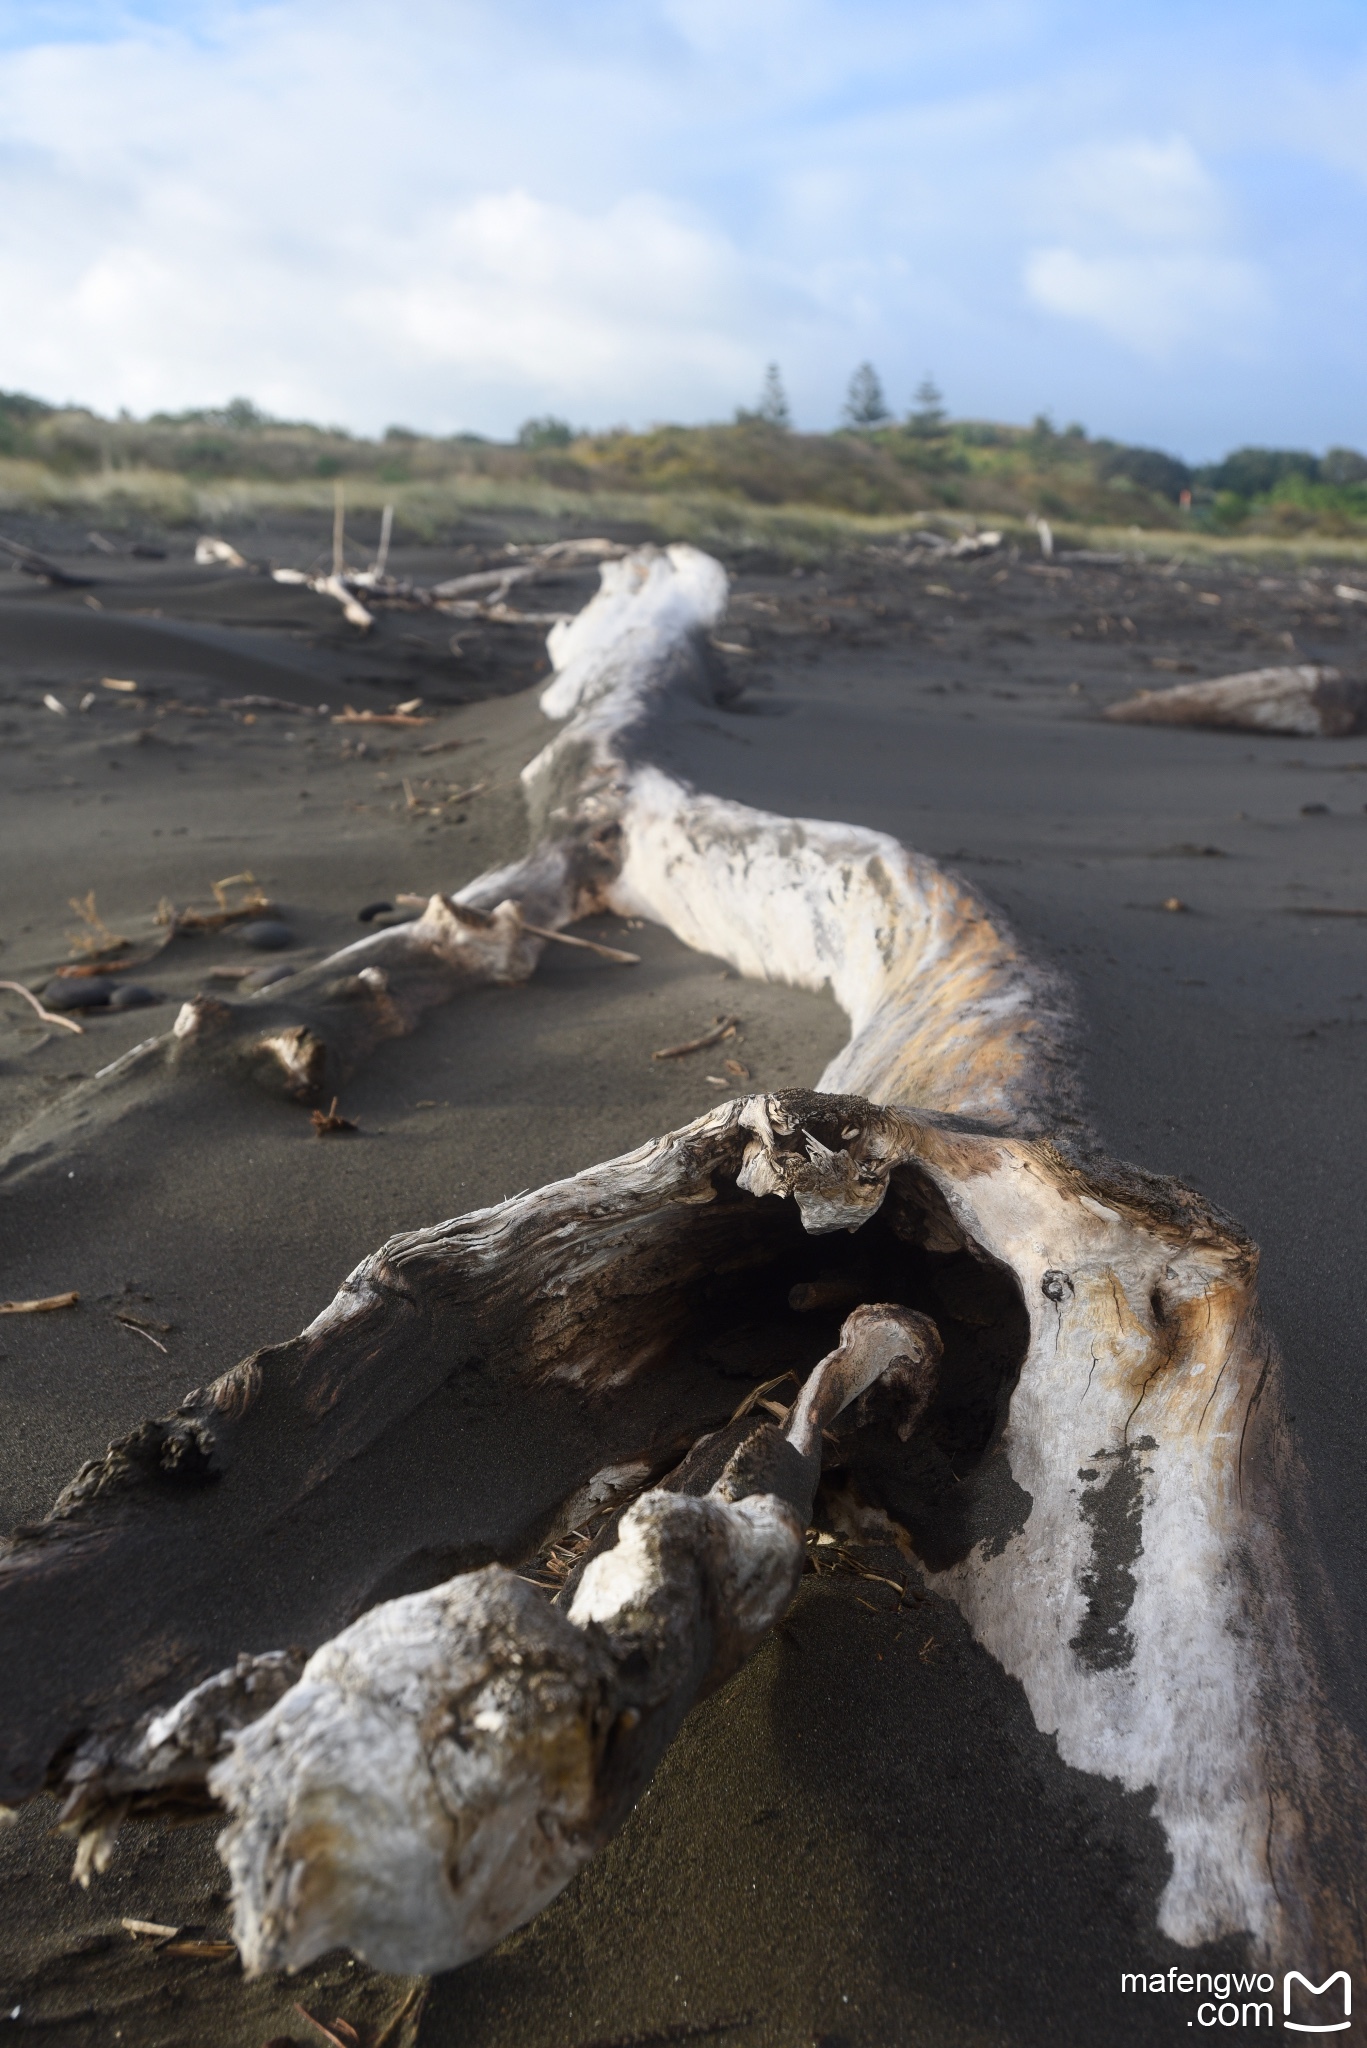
(598, 312)
(1151, 300)
(496, 208)
(1150, 256)
(1141, 189)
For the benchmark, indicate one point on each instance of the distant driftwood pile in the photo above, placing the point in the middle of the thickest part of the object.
(1041, 1372)
(1308, 701)
(481, 595)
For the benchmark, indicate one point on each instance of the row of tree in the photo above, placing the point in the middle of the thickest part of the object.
(1245, 473)
(865, 404)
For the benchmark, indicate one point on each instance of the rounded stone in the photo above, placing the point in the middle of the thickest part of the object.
(131, 995)
(78, 992)
(266, 934)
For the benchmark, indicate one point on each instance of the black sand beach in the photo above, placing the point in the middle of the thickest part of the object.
(863, 1839)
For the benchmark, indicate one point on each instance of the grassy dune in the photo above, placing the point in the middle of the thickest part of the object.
(749, 484)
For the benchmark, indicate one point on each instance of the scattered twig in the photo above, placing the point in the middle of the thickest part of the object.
(48, 1016)
(843, 1562)
(327, 1121)
(149, 1930)
(36, 1308)
(724, 1027)
(756, 1394)
(255, 903)
(205, 1951)
(272, 704)
(353, 717)
(412, 2004)
(589, 945)
(341, 2032)
(136, 1323)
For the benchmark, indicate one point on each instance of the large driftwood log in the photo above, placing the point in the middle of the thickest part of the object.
(1307, 701)
(1101, 1478)
(944, 1006)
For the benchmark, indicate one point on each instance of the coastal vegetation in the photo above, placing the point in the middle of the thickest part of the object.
(754, 477)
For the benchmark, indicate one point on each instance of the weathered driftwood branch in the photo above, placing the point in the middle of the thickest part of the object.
(945, 1009)
(1101, 1481)
(30, 563)
(1309, 701)
(1100, 1476)
(445, 1765)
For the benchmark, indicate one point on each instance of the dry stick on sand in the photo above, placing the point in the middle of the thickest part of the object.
(139, 1327)
(40, 1306)
(353, 717)
(48, 1016)
(1111, 1329)
(724, 1027)
(623, 959)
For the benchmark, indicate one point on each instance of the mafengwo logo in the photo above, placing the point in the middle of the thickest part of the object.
(1234, 1998)
(1334, 1991)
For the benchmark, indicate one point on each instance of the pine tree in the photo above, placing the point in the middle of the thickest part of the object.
(865, 405)
(773, 400)
(929, 416)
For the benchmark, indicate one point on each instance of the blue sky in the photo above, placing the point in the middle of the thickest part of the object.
(1148, 217)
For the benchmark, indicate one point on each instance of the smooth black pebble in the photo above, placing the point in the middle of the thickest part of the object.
(373, 910)
(78, 992)
(266, 935)
(131, 995)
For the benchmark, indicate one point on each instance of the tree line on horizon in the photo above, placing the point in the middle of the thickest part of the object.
(873, 463)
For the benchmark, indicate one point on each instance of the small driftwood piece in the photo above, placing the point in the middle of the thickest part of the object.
(334, 585)
(213, 553)
(40, 1306)
(1104, 1483)
(725, 1027)
(1309, 701)
(46, 1016)
(30, 563)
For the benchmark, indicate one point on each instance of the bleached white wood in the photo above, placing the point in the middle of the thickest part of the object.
(1308, 700)
(1143, 1599)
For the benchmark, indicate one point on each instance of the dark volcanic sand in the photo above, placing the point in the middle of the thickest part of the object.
(863, 1839)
